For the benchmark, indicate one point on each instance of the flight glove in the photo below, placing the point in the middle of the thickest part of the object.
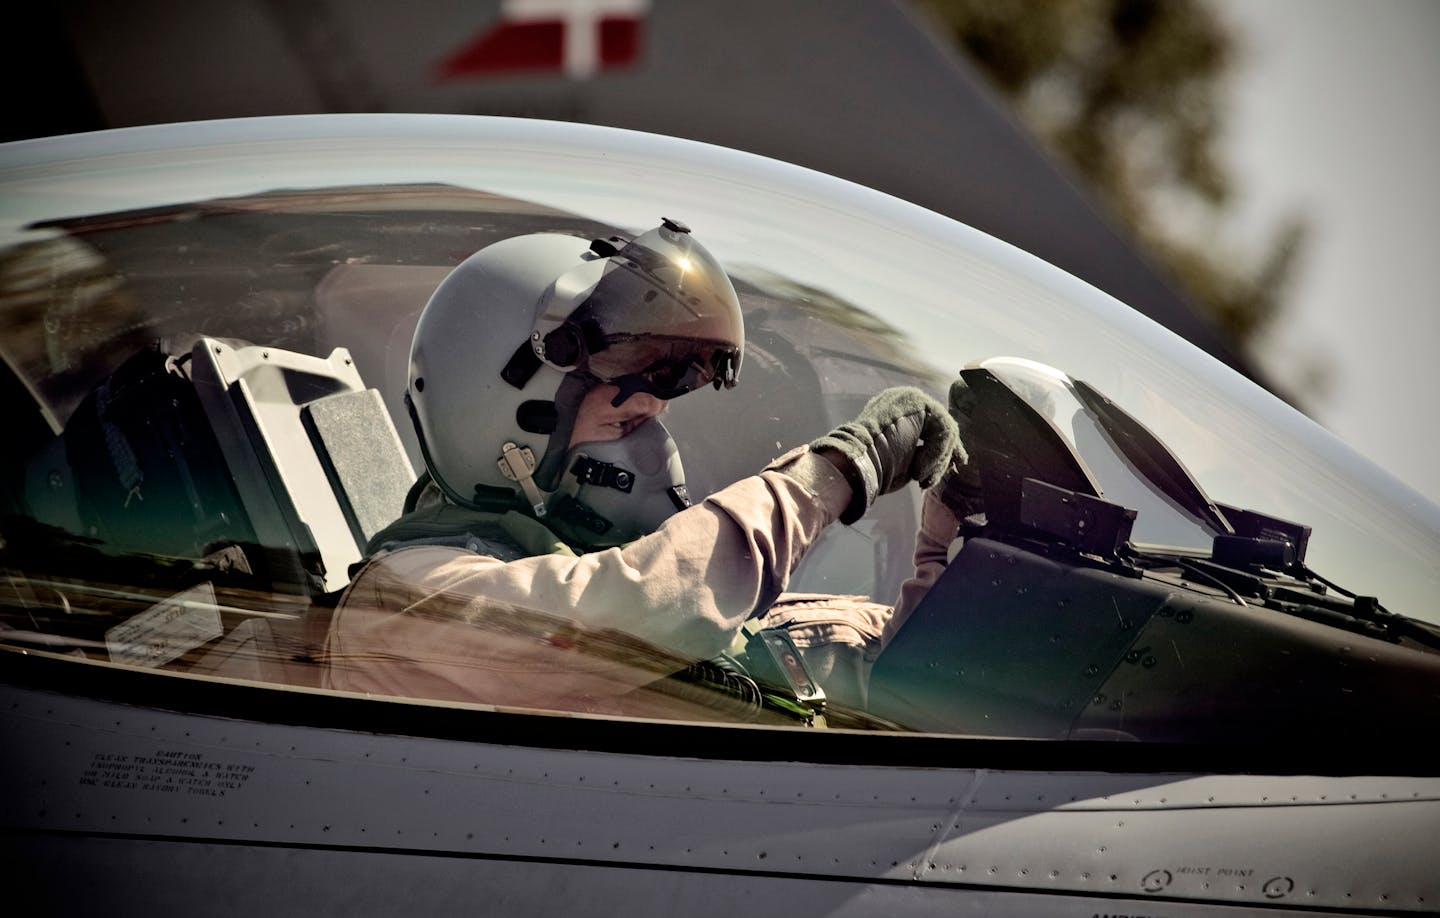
(901, 435)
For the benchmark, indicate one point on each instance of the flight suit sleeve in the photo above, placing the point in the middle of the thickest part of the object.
(938, 527)
(840, 637)
(437, 622)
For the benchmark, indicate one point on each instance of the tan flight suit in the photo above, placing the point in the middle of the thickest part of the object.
(580, 633)
(840, 637)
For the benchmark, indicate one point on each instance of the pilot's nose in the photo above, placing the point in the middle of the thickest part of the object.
(647, 404)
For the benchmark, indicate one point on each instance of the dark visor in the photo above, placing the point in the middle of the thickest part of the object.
(663, 311)
(690, 366)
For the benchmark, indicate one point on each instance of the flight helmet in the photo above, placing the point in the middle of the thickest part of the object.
(516, 335)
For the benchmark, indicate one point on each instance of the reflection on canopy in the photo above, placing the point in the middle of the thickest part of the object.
(139, 535)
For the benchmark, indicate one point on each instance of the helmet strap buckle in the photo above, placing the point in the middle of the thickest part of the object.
(517, 463)
(602, 474)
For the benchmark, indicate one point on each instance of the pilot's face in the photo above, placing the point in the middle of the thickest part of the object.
(598, 421)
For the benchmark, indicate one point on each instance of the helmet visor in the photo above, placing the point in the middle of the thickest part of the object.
(663, 367)
(663, 318)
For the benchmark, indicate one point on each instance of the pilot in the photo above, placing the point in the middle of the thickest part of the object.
(549, 555)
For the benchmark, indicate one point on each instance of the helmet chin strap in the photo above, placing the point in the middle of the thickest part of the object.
(517, 463)
(536, 479)
(568, 396)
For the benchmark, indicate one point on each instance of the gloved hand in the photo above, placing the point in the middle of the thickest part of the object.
(901, 435)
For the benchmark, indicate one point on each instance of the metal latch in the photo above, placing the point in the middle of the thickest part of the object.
(517, 463)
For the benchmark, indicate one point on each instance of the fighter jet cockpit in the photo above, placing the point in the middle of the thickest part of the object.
(1078, 493)
(214, 413)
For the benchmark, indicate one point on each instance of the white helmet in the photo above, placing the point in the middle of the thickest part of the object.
(515, 336)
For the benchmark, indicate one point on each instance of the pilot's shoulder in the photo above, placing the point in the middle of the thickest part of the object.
(415, 570)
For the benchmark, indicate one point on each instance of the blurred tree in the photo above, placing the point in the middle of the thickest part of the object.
(1130, 93)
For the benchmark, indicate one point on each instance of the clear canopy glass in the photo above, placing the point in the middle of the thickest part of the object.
(240, 255)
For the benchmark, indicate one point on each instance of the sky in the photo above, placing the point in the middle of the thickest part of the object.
(1336, 116)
